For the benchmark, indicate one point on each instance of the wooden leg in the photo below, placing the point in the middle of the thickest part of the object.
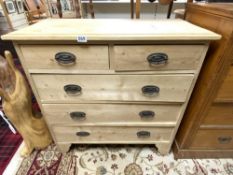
(64, 148)
(26, 151)
(138, 11)
(91, 8)
(169, 9)
(77, 8)
(132, 8)
(59, 7)
(163, 148)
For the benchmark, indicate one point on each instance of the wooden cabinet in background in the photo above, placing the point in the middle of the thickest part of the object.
(207, 127)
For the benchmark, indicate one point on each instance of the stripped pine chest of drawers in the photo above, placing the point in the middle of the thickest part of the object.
(112, 81)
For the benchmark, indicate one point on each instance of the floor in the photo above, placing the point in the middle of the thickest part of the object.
(117, 160)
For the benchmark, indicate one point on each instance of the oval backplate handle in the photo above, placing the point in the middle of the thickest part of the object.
(82, 133)
(150, 90)
(156, 59)
(72, 89)
(143, 134)
(65, 58)
(147, 115)
(77, 115)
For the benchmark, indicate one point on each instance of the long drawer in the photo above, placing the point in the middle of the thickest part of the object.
(111, 134)
(213, 139)
(156, 57)
(219, 114)
(225, 92)
(71, 57)
(93, 88)
(112, 114)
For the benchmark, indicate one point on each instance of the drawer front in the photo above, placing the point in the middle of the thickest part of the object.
(213, 139)
(111, 134)
(90, 57)
(109, 114)
(156, 57)
(225, 92)
(90, 88)
(219, 114)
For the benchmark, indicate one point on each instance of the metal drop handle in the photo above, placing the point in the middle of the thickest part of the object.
(143, 134)
(157, 59)
(65, 58)
(73, 89)
(80, 116)
(150, 90)
(82, 133)
(147, 114)
(224, 140)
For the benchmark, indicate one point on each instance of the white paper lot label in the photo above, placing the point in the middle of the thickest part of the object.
(81, 39)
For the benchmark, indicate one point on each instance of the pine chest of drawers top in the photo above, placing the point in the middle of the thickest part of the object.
(87, 30)
(112, 81)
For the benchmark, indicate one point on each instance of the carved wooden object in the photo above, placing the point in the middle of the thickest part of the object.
(17, 106)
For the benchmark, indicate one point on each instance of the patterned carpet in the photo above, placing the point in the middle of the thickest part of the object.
(118, 160)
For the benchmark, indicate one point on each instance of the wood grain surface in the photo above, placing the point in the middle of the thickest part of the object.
(112, 114)
(88, 57)
(134, 57)
(108, 29)
(110, 88)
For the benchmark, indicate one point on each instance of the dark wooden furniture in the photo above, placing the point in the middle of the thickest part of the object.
(207, 127)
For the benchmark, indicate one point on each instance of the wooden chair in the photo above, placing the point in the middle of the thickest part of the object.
(77, 7)
(35, 12)
(138, 7)
(11, 21)
(180, 13)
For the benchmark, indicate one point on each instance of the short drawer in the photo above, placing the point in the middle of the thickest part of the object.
(213, 139)
(111, 134)
(71, 57)
(219, 114)
(112, 114)
(156, 57)
(100, 88)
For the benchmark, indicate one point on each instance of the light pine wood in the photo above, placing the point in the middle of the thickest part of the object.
(112, 114)
(111, 134)
(173, 88)
(108, 72)
(63, 147)
(118, 91)
(163, 148)
(17, 106)
(32, 85)
(134, 57)
(87, 57)
(189, 93)
(109, 30)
